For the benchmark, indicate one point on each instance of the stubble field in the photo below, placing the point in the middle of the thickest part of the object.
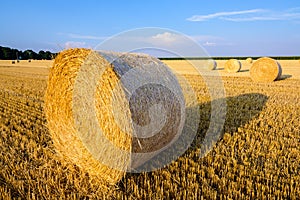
(257, 157)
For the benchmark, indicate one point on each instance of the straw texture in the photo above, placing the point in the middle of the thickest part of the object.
(212, 64)
(249, 60)
(233, 66)
(98, 119)
(265, 70)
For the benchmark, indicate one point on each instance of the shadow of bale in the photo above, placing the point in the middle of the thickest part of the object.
(237, 112)
(285, 76)
(244, 70)
(241, 109)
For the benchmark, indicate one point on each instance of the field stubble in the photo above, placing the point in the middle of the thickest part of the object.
(257, 156)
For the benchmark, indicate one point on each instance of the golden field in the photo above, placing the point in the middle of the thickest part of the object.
(257, 157)
(290, 68)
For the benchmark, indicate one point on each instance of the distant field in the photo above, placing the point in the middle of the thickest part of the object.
(25, 63)
(291, 68)
(258, 156)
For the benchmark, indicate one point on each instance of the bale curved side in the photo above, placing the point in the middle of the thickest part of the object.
(212, 65)
(249, 60)
(265, 70)
(92, 118)
(233, 66)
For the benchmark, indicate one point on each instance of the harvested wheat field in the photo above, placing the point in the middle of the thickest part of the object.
(257, 157)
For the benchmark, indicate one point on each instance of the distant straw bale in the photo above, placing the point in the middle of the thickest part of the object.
(212, 64)
(233, 66)
(249, 60)
(265, 70)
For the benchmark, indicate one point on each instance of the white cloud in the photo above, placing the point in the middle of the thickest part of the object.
(87, 37)
(251, 15)
(211, 40)
(248, 19)
(221, 14)
(142, 38)
(166, 38)
(72, 44)
(159, 42)
(209, 44)
(293, 10)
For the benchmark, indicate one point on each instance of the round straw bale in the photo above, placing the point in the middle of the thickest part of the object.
(249, 60)
(265, 70)
(212, 64)
(233, 65)
(111, 112)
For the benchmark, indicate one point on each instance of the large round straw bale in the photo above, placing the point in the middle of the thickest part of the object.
(249, 60)
(103, 109)
(211, 64)
(265, 70)
(233, 65)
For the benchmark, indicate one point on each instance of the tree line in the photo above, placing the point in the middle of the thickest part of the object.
(7, 53)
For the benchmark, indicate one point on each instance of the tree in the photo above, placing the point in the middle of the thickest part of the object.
(7, 53)
(28, 54)
(48, 55)
(1, 54)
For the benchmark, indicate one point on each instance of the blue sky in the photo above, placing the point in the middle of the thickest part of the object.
(221, 27)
